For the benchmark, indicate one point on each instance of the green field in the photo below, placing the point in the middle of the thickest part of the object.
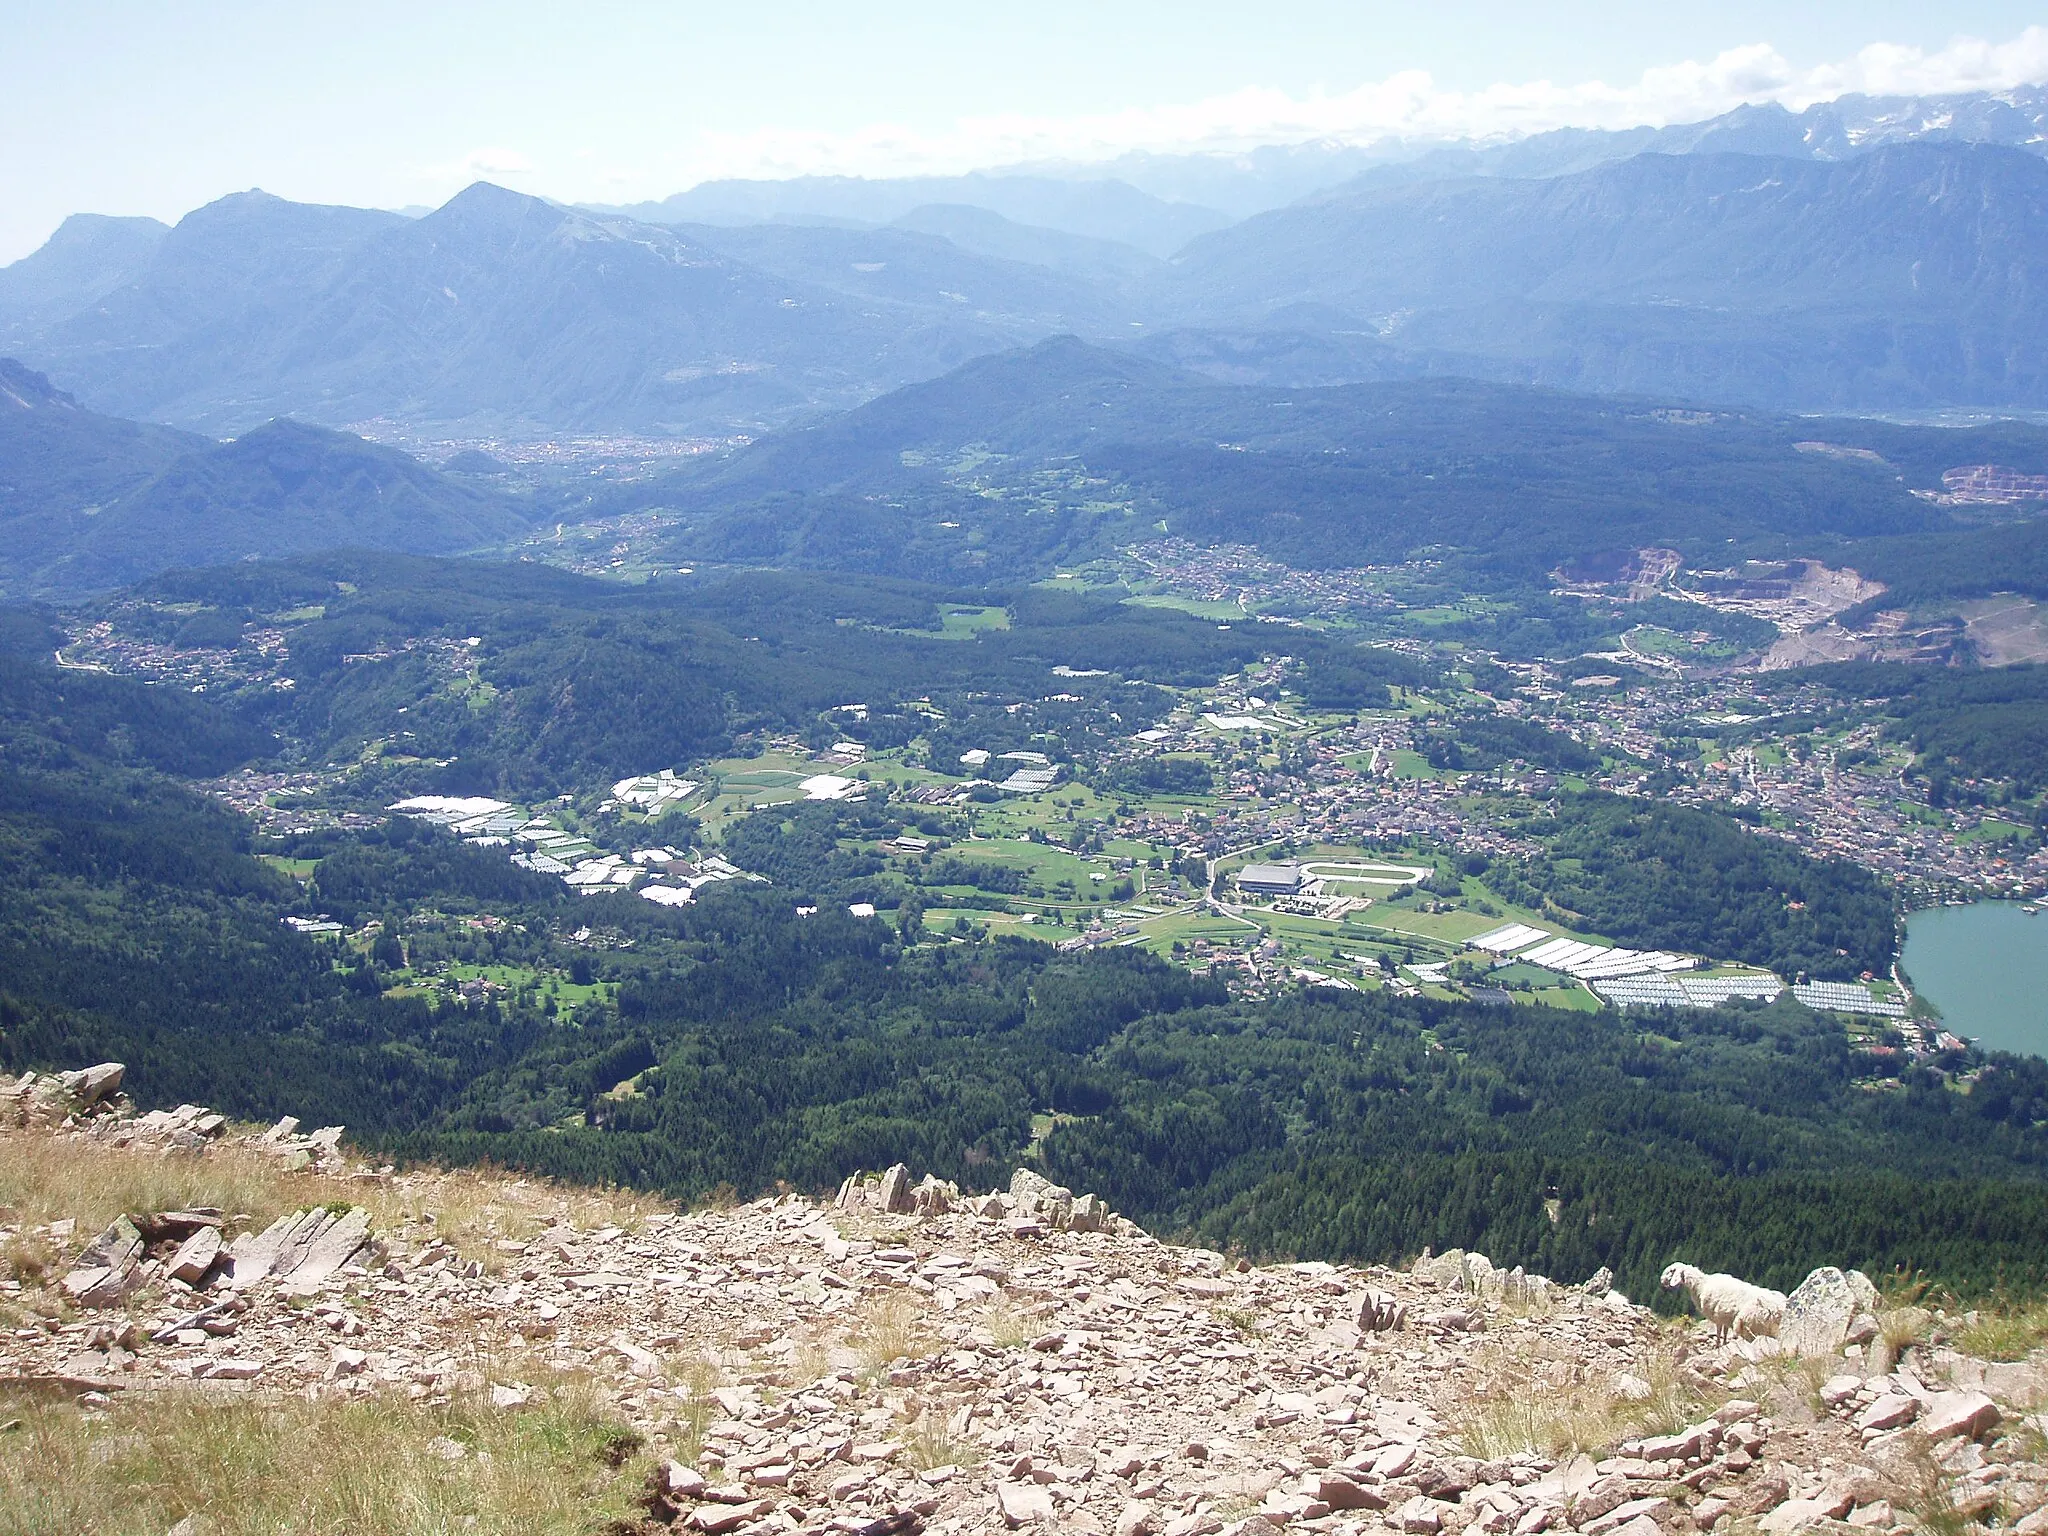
(1227, 613)
(961, 622)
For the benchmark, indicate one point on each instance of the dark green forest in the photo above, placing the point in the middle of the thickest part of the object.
(588, 680)
(1657, 876)
(737, 1043)
(741, 1044)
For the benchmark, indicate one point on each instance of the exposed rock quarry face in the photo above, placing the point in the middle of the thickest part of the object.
(910, 1357)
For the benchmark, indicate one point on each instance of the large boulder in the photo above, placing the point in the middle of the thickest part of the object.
(93, 1084)
(1819, 1316)
(1033, 1194)
(109, 1268)
(894, 1194)
(1471, 1274)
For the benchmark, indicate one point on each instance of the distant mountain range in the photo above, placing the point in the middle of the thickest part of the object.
(1077, 203)
(90, 501)
(500, 312)
(1862, 255)
(1014, 465)
(1157, 202)
(1915, 276)
(1268, 178)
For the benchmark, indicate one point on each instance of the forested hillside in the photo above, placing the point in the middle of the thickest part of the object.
(473, 1009)
(89, 502)
(135, 922)
(587, 680)
(1669, 877)
(1961, 725)
(1015, 464)
(760, 1045)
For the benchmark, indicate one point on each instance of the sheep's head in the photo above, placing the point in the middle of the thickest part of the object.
(1679, 1275)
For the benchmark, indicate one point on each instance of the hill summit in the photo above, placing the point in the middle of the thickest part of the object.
(904, 1358)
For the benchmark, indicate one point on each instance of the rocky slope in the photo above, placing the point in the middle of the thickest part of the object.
(903, 1358)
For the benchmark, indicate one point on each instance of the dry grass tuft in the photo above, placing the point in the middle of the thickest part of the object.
(892, 1327)
(45, 1179)
(2006, 1328)
(248, 1467)
(1926, 1494)
(1008, 1325)
(695, 1378)
(1534, 1398)
(929, 1442)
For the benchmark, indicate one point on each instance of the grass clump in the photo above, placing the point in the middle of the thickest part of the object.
(2006, 1328)
(697, 1378)
(1008, 1325)
(380, 1467)
(930, 1442)
(1533, 1399)
(892, 1327)
(44, 1179)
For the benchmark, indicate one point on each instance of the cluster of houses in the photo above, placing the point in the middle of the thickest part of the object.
(666, 876)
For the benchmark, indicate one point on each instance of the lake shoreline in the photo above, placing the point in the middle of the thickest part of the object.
(1984, 965)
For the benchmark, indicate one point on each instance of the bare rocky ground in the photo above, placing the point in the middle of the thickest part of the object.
(904, 1359)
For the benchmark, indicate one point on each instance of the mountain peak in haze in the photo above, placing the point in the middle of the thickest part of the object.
(88, 257)
(486, 205)
(26, 390)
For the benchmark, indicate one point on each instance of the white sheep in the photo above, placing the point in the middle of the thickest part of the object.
(1731, 1305)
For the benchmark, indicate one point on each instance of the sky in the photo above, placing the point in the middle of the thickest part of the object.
(142, 106)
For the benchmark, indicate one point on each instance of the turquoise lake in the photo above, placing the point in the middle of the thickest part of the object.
(1986, 967)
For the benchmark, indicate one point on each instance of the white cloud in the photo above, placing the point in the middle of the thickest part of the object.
(1403, 106)
(490, 161)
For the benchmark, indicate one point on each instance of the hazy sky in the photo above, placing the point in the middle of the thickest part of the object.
(148, 107)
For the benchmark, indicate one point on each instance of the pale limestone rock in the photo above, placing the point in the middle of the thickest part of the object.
(333, 1245)
(1421, 1517)
(89, 1086)
(1797, 1514)
(195, 1256)
(1819, 1313)
(108, 1269)
(1341, 1491)
(715, 1519)
(893, 1194)
(1892, 1411)
(1837, 1390)
(1953, 1414)
(1024, 1504)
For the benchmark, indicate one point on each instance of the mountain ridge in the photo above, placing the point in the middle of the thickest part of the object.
(89, 501)
(1907, 276)
(496, 307)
